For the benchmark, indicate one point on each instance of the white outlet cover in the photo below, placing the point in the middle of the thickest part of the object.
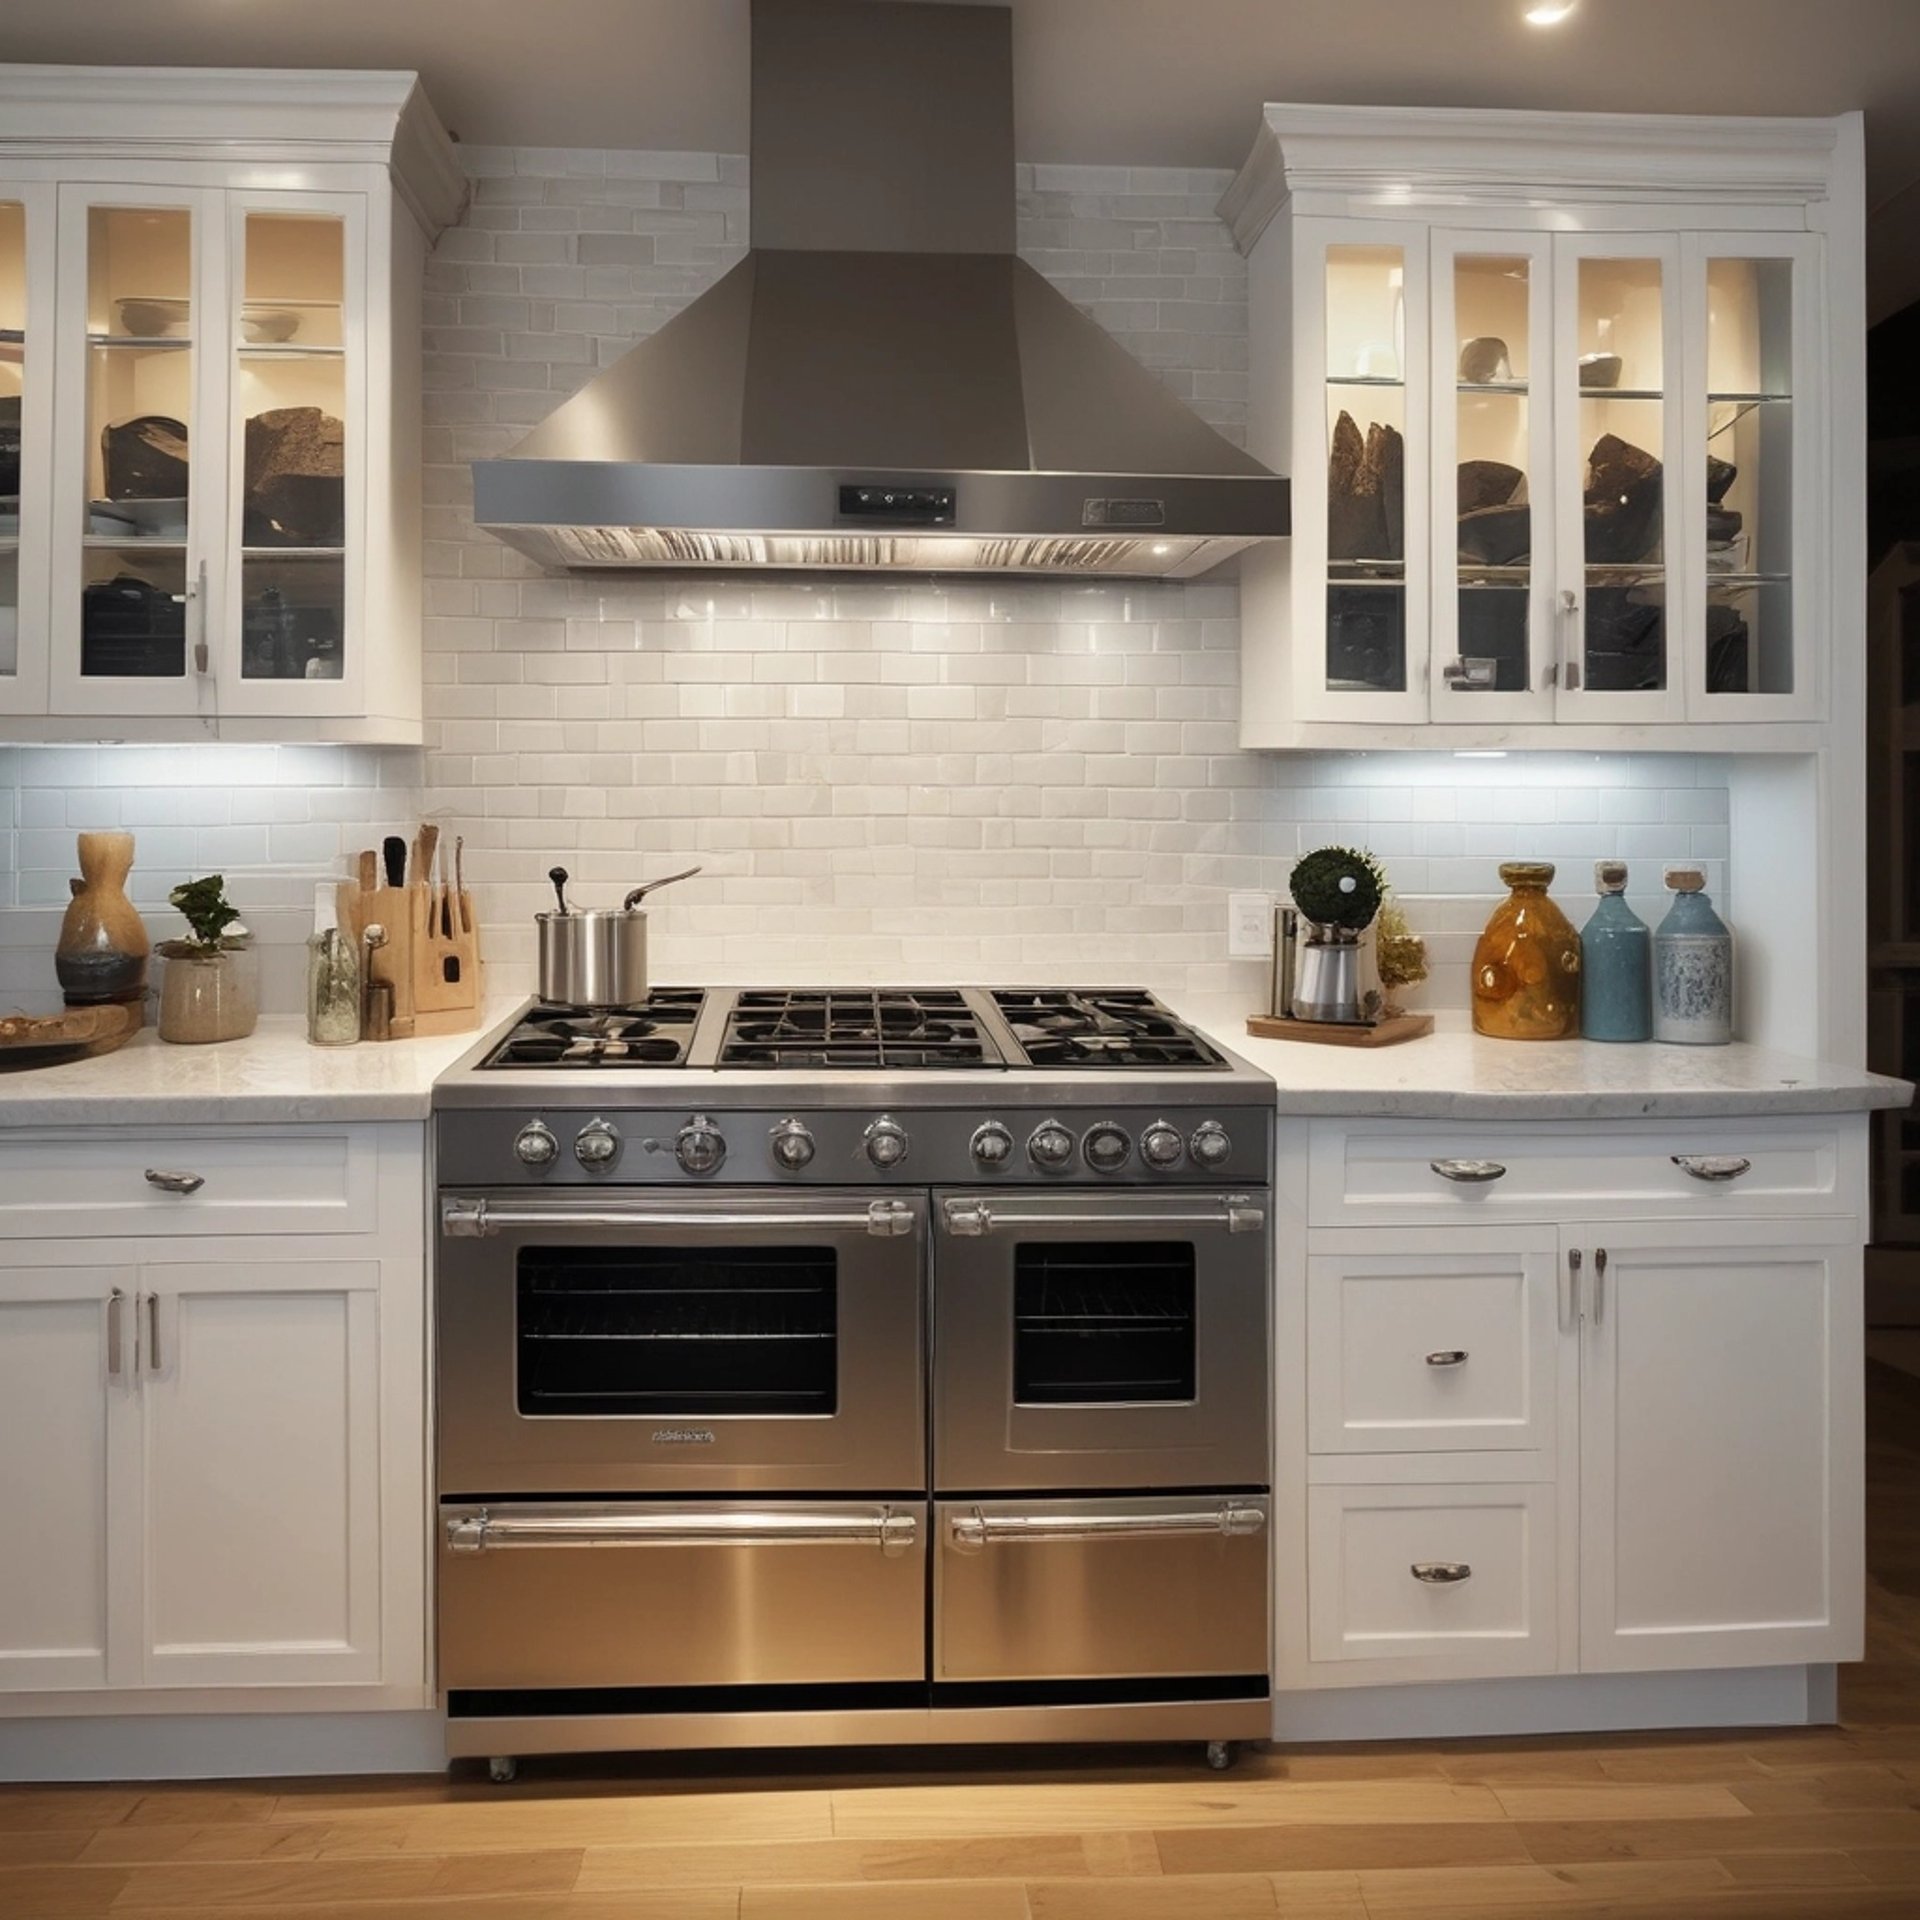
(1249, 926)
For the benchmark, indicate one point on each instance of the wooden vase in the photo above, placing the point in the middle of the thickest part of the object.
(102, 951)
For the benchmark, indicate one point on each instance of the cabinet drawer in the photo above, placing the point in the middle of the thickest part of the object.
(1415, 1351)
(1439, 1583)
(1411, 1176)
(110, 1181)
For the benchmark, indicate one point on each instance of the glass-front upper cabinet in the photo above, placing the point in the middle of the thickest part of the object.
(26, 378)
(1492, 431)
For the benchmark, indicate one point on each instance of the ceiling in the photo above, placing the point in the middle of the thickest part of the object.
(1142, 82)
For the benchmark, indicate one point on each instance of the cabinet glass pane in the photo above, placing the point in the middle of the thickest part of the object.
(1749, 477)
(13, 350)
(291, 386)
(1622, 429)
(1366, 469)
(1495, 541)
(140, 324)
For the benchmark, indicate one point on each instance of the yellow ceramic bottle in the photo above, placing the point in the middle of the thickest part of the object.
(1526, 969)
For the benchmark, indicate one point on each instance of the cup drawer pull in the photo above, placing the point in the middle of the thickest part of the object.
(175, 1182)
(1468, 1173)
(1441, 1573)
(1713, 1166)
(1448, 1357)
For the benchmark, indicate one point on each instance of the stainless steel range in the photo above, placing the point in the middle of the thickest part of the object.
(906, 1351)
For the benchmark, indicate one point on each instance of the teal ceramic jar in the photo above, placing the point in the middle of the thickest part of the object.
(1692, 967)
(1616, 965)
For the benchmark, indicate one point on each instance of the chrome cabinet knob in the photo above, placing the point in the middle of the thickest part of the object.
(534, 1145)
(992, 1144)
(175, 1182)
(1161, 1145)
(886, 1142)
(596, 1144)
(1210, 1145)
(698, 1146)
(1050, 1145)
(1106, 1147)
(792, 1145)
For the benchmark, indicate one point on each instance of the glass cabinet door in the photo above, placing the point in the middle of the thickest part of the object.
(1364, 506)
(1617, 429)
(1745, 323)
(132, 498)
(26, 380)
(295, 420)
(1493, 463)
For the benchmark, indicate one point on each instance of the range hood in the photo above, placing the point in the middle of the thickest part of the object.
(881, 383)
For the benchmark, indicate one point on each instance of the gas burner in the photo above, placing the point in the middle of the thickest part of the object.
(1058, 1027)
(653, 1033)
(856, 1030)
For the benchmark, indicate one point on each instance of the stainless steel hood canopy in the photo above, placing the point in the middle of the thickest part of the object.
(880, 383)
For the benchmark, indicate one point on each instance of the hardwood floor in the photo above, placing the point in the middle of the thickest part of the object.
(1801, 1825)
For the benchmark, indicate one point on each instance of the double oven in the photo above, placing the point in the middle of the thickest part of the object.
(769, 1464)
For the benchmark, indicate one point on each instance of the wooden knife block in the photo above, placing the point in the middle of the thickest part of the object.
(436, 976)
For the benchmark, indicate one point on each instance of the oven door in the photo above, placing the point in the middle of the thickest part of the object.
(692, 1343)
(1087, 1340)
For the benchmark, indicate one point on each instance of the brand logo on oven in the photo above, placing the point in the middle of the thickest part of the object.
(683, 1436)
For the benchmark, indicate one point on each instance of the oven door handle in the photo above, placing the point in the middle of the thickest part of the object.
(475, 1530)
(474, 1219)
(970, 1532)
(1237, 1212)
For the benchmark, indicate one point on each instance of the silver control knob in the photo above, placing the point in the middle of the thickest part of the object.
(534, 1145)
(1210, 1145)
(886, 1142)
(1161, 1145)
(792, 1145)
(1106, 1147)
(596, 1144)
(992, 1144)
(698, 1146)
(1050, 1145)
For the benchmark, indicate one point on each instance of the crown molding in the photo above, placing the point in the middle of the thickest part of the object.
(375, 117)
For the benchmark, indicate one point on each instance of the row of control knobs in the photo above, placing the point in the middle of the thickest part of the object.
(1052, 1146)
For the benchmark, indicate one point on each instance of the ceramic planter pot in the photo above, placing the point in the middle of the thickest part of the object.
(208, 996)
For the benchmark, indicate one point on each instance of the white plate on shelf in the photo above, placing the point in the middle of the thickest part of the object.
(153, 316)
(139, 519)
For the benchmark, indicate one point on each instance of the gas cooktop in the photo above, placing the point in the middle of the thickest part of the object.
(863, 1030)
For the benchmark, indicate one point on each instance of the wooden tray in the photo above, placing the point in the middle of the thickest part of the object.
(43, 1040)
(1342, 1033)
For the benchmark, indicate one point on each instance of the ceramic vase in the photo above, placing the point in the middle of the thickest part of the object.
(1692, 967)
(102, 951)
(208, 996)
(1616, 987)
(1526, 967)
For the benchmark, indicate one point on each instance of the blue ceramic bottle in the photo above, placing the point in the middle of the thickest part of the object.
(1616, 963)
(1692, 967)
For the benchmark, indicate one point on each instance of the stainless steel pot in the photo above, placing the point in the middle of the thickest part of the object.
(595, 959)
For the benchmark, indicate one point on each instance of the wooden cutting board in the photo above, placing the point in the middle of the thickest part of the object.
(1342, 1033)
(42, 1040)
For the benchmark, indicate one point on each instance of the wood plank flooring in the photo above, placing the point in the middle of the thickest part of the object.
(1816, 1824)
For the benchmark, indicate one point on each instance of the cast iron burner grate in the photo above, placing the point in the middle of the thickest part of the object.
(1058, 1027)
(653, 1033)
(854, 1030)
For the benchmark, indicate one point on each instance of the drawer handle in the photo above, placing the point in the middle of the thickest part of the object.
(175, 1182)
(1448, 1357)
(1441, 1573)
(475, 1530)
(972, 1531)
(1713, 1166)
(1470, 1173)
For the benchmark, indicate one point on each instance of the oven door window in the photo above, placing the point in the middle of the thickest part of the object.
(1101, 1321)
(676, 1330)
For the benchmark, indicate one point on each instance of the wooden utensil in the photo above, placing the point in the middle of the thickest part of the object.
(369, 870)
(394, 851)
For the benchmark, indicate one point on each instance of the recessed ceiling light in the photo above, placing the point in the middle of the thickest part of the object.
(1549, 13)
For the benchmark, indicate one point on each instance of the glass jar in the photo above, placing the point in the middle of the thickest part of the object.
(206, 996)
(333, 989)
(1526, 967)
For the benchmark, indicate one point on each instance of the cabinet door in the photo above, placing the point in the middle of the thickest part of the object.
(26, 440)
(1753, 428)
(66, 1366)
(260, 1406)
(1492, 548)
(1720, 1441)
(1620, 527)
(295, 332)
(1360, 485)
(137, 473)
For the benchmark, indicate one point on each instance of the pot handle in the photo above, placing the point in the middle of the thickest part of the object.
(640, 893)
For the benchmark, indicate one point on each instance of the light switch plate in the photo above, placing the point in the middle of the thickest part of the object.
(1249, 926)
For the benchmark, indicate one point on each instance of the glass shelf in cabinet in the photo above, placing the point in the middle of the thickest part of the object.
(1719, 581)
(292, 552)
(1387, 573)
(145, 543)
(1365, 380)
(289, 350)
(1491, 386)
(1749, 399)
(143, 342)
(1623, 393)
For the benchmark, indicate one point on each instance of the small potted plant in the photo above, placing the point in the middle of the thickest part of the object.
(211, 987)
(1337, 891)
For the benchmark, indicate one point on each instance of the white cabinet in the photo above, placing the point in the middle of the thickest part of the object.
(213, 1450)
(215, 340)
(1570, 405)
